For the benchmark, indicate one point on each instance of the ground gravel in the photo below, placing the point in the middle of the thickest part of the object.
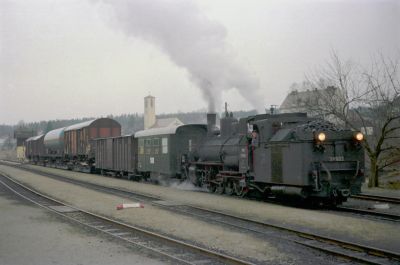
(31, 235)
(183, 227)
(371, 232)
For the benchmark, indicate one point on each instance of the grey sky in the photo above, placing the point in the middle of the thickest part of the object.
(65, 59)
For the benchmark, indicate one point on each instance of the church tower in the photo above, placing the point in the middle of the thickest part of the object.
(149, 111)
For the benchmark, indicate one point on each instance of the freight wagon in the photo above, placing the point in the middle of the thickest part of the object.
(34, 148)
(116, 155)
(71, 147)
(158, 153)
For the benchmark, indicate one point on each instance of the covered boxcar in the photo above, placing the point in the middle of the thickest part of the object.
(116, 155)
(34, 148)
(162, 152)
(77, 137)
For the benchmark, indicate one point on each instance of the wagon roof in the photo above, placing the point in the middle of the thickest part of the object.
(54, 134)
(34, 138)
(114, 137)
(79, 125)
(165, 130)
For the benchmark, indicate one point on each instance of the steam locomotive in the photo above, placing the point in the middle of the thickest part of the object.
(264, 154)
(283, 154)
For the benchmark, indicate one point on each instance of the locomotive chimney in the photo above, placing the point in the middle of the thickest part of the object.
(211, 121)
(228, 124)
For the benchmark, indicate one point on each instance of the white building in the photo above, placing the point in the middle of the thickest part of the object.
(304, 101)
(150, 120)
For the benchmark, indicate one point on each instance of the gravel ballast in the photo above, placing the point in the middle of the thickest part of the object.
(31, 235)
(182, 227)
(357, 229)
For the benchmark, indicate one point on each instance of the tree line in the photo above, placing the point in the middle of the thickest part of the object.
(130, 123)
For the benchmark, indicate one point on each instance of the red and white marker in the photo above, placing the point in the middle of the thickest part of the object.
(129, 205)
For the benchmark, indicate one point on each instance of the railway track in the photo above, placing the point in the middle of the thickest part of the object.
(337, 247)
(137, 196)
(368, 212)
(174, 250)
(376, 198)
(381, 215)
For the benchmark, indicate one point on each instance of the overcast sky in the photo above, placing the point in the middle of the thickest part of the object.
(76, 58)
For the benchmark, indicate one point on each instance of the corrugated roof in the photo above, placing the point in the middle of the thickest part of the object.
(78, 125)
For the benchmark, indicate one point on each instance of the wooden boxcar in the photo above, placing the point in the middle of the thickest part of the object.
(34, 148)
(77, 137)
(103, 154)
(116, 155)
(162, 151)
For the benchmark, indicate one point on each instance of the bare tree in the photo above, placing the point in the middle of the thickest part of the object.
(366, 99)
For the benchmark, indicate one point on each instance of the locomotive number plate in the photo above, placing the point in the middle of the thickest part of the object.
(336, 158)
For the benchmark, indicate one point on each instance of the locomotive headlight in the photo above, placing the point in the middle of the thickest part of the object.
(359, 136)
(321, 137)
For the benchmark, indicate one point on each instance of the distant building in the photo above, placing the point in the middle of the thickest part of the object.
(303, 101)
(167, 122)
(149, 112)
(150, 120)
(21, 134)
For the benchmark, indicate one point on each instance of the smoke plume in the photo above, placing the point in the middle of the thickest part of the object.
(192, 41)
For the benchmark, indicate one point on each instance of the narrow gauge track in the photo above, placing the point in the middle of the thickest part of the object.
(377, 198)
(336, 247)
(347, 209)
(382, 215)
(176, 251)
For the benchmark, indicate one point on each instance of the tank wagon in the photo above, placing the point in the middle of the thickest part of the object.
(280, 154)
(54, 146)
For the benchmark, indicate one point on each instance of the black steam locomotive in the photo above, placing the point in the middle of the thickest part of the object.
(264, 154)
(280, 154)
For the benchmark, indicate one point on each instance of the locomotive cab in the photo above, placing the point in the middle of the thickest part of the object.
(311, 158)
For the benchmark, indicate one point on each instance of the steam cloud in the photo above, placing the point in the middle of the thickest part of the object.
(192, 41)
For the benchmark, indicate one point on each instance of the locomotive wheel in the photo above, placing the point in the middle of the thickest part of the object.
(238, 190)
(229, 189)
(220, 189)
(211, 187)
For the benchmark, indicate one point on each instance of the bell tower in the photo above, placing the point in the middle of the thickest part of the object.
(149, 111)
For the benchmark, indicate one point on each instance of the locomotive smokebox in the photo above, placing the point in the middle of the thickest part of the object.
(211, 122)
